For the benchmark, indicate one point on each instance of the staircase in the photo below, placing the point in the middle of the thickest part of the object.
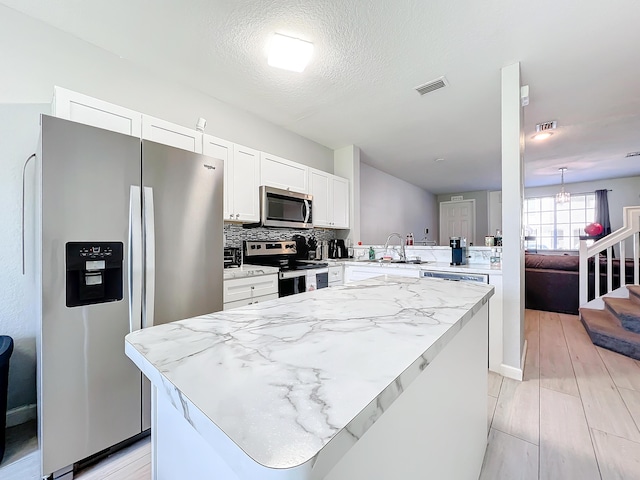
(617, 326)
(613, 320)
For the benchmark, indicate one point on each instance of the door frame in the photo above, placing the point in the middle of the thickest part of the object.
(473, 220)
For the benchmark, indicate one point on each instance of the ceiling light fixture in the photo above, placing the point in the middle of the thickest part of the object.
(438, 160)
(289, 53)
(562, 196)
(541, 136)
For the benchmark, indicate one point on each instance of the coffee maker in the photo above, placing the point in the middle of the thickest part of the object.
(458, 250)
(337, 248)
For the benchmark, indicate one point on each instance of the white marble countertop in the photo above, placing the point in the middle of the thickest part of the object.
(298, 380)
(490, 269)
(244, 271)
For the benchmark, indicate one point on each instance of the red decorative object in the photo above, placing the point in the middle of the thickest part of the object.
(593, 229)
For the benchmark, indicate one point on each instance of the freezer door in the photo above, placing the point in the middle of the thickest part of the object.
(89, 392)
(183, 233)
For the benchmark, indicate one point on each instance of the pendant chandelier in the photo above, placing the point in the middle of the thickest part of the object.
(562, 196)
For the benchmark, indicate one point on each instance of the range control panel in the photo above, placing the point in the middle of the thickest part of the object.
(284, 247)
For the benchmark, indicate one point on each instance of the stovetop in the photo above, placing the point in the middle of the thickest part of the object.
(285, 264)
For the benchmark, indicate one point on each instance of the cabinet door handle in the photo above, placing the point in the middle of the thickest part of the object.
(237, 215)
(231, 216)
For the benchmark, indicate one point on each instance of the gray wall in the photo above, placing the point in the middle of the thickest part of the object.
(36, 56)
(18, 139)
(388, 204)
(482, 211)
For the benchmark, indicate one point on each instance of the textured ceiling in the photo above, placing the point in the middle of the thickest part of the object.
(579, 57)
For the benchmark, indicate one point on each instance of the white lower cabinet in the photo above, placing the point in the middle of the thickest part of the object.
(336, 275)
(249, 301)
(238, 292)
(353, 273)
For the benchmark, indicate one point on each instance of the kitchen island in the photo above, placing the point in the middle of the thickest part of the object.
(378, 379)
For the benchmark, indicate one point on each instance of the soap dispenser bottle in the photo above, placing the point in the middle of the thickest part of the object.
(372, 253)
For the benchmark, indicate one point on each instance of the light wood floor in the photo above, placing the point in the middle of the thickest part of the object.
(574, 417)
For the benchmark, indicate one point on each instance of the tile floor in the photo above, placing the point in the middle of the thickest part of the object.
(575, 416)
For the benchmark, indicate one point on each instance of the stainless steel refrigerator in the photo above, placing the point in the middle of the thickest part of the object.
(128, 235)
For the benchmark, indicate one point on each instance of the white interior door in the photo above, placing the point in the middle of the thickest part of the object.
(458, 219)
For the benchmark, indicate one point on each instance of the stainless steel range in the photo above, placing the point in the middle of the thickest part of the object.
(296, 275)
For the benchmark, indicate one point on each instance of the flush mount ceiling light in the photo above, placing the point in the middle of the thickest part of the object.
(541, 136)
(543, 130)
(289, 53)
(438, 160)
(562, 196)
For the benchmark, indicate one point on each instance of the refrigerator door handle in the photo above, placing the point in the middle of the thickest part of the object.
(134, 270)
(150, 258)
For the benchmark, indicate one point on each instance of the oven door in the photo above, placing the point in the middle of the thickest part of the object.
(281, 208)
(292, 282)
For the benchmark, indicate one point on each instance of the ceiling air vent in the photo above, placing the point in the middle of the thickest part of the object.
(632, 154)
(541, 127)
(432, 85)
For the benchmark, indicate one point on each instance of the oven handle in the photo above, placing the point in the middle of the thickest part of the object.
(292, 274)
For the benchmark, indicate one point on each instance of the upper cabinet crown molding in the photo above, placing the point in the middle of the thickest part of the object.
(81, 108)
(167, 133)
(283, 174)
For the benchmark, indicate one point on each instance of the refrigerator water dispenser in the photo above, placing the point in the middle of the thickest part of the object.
(94, 272)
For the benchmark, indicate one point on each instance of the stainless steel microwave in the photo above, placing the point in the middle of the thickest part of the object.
(282, 208)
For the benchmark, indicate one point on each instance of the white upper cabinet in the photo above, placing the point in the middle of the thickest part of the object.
(219, 148)
(97, 113)
(330, 199)
(244, 183)
(340, 198)
(319, 187)
(284, 174)
(167, 133)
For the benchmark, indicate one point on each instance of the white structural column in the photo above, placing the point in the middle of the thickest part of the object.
(346, 164)
(512, 236)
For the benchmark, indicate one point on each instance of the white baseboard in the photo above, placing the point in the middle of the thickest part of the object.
(513, 372)
(19, 415)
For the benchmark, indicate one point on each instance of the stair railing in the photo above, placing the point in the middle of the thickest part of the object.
(630, 229)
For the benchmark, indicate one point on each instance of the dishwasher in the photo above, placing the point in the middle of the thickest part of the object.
(459, 277)
(455, 277)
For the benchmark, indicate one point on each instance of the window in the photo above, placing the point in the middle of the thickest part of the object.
(558, 226)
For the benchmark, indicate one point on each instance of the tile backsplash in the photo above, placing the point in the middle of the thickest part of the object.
(234, 234)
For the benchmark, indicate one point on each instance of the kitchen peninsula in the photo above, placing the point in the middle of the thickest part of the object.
(377, 379)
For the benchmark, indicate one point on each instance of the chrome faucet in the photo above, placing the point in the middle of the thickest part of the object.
(403, 254)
